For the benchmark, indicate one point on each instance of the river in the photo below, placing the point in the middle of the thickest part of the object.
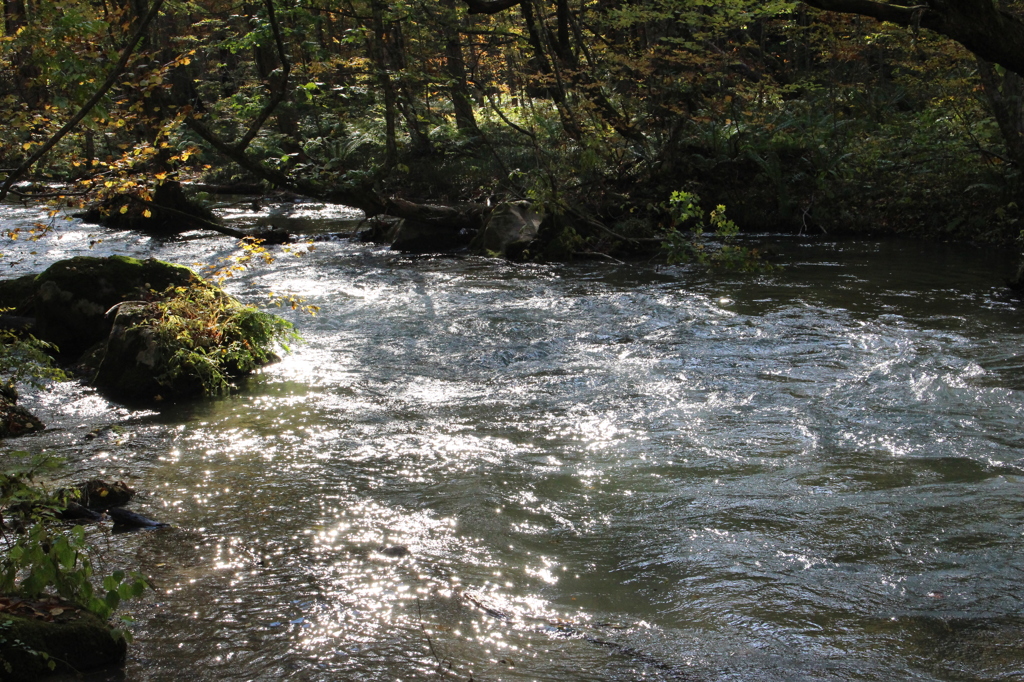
(599, 471)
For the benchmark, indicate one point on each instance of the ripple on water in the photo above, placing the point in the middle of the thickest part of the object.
(598, 472)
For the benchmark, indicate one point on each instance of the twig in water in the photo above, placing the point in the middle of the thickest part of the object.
(599, 255)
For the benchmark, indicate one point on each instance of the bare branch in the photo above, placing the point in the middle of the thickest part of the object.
(118, 69)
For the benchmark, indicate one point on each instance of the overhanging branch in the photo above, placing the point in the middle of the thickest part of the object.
(490, 6)
(979, 25)
(118, 69)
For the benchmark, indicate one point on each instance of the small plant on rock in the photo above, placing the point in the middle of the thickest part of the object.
(211, 337)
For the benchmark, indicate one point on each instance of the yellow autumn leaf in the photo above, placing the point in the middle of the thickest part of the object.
(147, 213)
(161, 176)
(124, 209)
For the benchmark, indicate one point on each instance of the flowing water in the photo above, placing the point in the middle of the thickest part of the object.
(600, 472)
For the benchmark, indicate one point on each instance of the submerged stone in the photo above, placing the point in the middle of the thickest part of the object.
(16, 420)
(394, 551)
(99, 494)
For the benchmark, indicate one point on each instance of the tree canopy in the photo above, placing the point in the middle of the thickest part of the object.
(597, 111)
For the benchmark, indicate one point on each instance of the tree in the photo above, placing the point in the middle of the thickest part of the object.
(84, 110)
(596, 110)
(993, 33)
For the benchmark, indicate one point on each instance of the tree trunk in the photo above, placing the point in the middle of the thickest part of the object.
(377, 49)
(539, 60)
(408, 102)
(462, 104)
(14, 16)
(1006, 95)
(24, 71)
(562, 46)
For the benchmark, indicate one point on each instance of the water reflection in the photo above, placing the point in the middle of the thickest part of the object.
(585, 473)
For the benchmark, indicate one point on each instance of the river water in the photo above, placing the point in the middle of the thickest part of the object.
(599, 471)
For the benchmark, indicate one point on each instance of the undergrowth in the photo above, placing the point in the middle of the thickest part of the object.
(695, 246)
(41, 556)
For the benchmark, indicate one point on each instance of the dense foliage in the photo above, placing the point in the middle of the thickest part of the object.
(598, 111)
(46, 556)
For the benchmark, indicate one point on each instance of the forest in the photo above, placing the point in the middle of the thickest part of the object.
(681, 345)
(835, 116)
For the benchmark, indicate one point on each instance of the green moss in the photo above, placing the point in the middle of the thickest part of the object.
(72, 296)
(191, 340)
(115, 278)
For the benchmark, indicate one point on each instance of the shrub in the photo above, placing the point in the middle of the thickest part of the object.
(685, 210)
(45, 558)
(205, 335)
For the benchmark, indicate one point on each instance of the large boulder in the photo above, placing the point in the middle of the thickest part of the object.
(195, 342)
(381, 229)
(73, 296)
(16, 294)
(132, 358)
(510, 227)
(148, 329)
(411, 236)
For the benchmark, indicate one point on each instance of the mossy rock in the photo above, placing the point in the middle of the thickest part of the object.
(196, 342)
(75, 640)
(17, 421)
(73, 296)
(99, 494)
(510, 228)
(557, 240)
(16, 294)
(134, 359)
